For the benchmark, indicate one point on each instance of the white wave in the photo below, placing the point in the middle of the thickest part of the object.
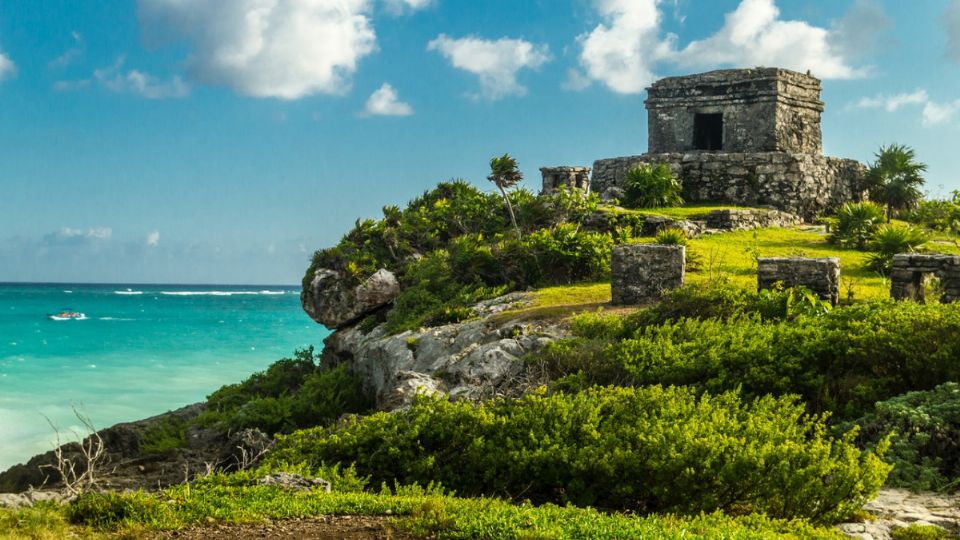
(115, 319)
(220, 293)
(68, 292)
(128, 292)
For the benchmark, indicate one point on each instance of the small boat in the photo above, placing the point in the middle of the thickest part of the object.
(67, 314)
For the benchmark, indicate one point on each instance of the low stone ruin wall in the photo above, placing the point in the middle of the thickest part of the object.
(643, 272)
(803, 184)
(573, 177)
(821, 276)
(738, 220)
(906, 278)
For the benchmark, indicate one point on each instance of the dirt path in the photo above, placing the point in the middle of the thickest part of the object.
(319, 528)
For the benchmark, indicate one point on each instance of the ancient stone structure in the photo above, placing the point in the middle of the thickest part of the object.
(643, 272)
(573, 177)
(745, 136)
(909, 269)
(746, 219)
(821, 276)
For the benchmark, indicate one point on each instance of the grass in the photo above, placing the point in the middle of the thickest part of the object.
(42, 522)
(417, 511)
(731, 256)
(678, 212)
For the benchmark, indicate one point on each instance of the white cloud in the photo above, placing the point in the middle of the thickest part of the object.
(894, 102)
(404, 6)
(576, 80)
(284, 49)
(933, 113)
(135, 82)
(496, 62)
(68, 236)
(857, 34)
(7, 67)
(951, 17)
(940, 113)
(71, 54)
(621, 51)
(754, 35)
(385, 102)
(153, 238)
(625, 49)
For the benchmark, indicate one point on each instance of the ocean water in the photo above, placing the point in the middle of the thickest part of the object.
(141, 350)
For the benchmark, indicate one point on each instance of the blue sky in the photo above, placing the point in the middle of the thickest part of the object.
(203, 141)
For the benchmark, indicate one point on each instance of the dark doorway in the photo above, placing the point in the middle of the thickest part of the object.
(708, 131)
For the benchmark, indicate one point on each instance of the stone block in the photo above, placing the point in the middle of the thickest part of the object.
(641, 273)
(821, 276)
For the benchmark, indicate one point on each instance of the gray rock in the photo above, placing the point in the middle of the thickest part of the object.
(294, 482)
(474, 359)
(896, 508)
(333, 303)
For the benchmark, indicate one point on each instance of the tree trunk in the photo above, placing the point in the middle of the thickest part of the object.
(513, 218)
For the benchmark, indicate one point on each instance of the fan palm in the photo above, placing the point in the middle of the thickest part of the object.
(895, 178)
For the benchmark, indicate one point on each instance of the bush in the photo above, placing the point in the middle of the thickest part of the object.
(939, 215)
(888, 241)
(842, 361)
(648, 450)
(292, 393)
(919, 532)
(651, 186)
(925, 448)
(855, 224)
(671, 237)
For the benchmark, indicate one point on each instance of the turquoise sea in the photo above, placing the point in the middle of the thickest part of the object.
(140, 351)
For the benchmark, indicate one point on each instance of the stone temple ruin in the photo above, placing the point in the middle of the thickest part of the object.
(741, 136)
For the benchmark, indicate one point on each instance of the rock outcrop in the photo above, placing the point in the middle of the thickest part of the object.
(475, 359)
(125, 465)
(899, 508)
(334, 303)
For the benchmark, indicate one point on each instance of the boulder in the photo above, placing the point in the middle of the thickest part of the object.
(332, 302)
(474, 359)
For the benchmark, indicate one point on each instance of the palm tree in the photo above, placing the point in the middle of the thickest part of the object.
(895, 178)
(505, 174)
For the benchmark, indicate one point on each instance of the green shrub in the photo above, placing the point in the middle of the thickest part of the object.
(292, 393)
(163, 435)
(651, 186)
(855, 224)
(888, 241)
(939, 215)
(919, 532)
(925, 448)
(648, 450)
(671, 237)
(843, 361)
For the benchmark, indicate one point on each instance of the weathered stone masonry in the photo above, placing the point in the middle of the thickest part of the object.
(571, 177)
(642, 272)
(821, 276)
(745, 136)
(906, 278)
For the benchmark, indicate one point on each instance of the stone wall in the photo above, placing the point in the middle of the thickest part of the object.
(763, 110)
(746, 219)
(642, 272)
(906, 278)
(575, 177)
(821, 276)
(802, 184)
